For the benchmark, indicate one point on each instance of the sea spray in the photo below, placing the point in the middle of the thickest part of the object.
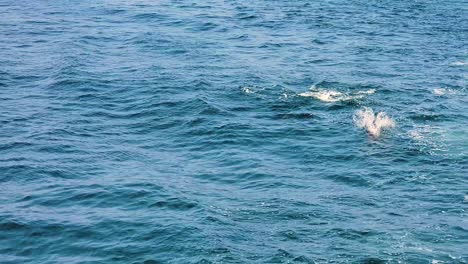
(373, 123)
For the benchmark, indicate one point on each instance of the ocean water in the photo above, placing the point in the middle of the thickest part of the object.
(233, 131)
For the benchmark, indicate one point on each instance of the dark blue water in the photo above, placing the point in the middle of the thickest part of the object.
(222, 131)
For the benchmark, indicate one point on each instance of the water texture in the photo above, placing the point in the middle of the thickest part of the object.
(178, 131)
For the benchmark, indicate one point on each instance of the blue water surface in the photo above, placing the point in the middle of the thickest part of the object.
(179, 131)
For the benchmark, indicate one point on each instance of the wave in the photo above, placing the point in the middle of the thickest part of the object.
(331, 96)
(373, 123)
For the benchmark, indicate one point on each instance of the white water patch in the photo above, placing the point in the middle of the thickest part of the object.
(460, 63)
(374, 123)
(326, 96)
(439, 91)
(331, 96)
(247, 90)
(370, 91)
(443, 91)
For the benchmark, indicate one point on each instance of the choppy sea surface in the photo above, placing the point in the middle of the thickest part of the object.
(233, 131)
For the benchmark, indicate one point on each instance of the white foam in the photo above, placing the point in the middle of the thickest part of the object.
(443, 91)
(439, 91)
(373, 123)
(460, 63)
(247, 90)
(334, 96)
(326, 95)
(370, 91)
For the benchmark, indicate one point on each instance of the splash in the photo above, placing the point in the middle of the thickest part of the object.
(331, 96)
(373, 123)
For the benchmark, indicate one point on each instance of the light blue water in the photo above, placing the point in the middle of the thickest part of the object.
(186, 131)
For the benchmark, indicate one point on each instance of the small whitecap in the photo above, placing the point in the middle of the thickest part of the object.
(439, 91)
(370, 91)
(330, 96)
(325, 95)
(374, 123)
(460, 63)
(466, 198)
(443, 91)
(247, 90)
